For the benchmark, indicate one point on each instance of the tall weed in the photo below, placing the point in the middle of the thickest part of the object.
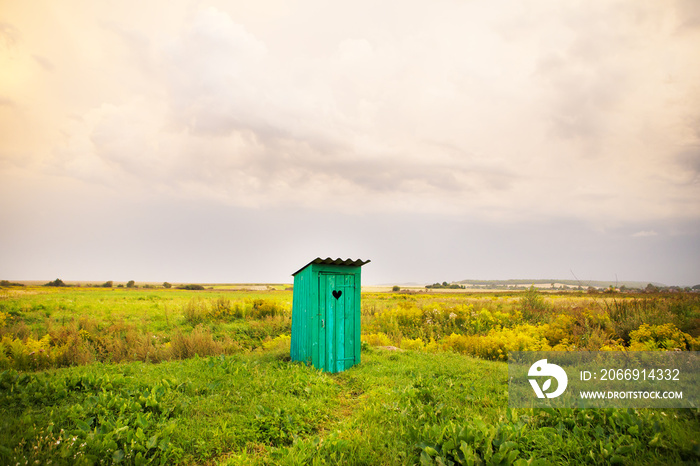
(196, 311)
(199, 342)
(533, 305)
(628, 315)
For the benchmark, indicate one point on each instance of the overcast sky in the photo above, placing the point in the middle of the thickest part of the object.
(234, 141)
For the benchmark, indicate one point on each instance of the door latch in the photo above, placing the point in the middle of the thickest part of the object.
(323, 323)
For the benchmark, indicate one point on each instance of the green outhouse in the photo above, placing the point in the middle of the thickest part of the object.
(326, 314)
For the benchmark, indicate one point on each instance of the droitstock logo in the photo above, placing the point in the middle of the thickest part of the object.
(542, 369)
(603, 379)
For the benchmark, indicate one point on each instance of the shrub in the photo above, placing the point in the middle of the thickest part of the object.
(498, 342)
(661, 337)
(190, 287)
(32, 354)
(560, 329)
(596, 318)
(221, 307)
(376, 339)
(416, 344)
(265, 308)
(279, 343)
(57, 282)
(7, 283)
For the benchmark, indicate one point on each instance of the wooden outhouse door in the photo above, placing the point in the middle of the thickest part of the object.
(338, 320)
(326, 314)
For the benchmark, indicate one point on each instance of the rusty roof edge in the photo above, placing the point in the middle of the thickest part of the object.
(338, 261)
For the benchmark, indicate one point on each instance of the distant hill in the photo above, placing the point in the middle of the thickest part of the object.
(558, 282)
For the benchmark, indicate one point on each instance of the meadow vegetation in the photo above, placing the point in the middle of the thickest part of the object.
(489, 326)
(79, 383)
(45, 328)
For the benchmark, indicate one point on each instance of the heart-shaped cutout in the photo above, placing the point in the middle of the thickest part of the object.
(337, 294)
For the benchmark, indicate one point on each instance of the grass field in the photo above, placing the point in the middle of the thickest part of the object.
(156, 376)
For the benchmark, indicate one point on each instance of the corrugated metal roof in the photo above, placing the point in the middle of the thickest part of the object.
(339, 261)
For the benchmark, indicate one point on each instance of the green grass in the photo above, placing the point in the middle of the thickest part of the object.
(224, 391)
(115, 325)
(259, 408)
(147, 309)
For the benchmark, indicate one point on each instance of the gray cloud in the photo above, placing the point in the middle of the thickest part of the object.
(644, 234)
(539, 112)
(585, 75)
